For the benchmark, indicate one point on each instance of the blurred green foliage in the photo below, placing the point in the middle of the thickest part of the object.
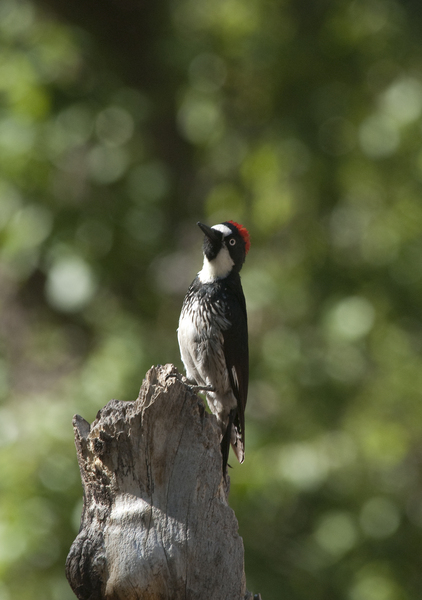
(304, 122)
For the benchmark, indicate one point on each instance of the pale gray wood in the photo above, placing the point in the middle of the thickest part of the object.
(156, 523)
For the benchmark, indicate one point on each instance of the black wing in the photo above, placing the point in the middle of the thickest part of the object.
(237, 360)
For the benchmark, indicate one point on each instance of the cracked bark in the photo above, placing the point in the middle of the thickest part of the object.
(156, 523)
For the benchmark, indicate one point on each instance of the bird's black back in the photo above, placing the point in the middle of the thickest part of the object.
(223, 302)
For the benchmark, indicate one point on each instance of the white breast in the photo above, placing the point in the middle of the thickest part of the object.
(217, 268)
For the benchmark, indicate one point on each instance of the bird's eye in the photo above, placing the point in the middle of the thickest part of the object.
(232, 242)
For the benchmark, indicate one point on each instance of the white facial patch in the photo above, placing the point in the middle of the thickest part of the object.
(217, 268)
(223, 228)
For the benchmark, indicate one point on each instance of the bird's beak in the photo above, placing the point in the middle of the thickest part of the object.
(213, 235)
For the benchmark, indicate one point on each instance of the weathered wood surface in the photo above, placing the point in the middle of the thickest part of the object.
(156, 524)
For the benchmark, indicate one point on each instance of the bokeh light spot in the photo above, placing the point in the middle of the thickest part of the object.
(379, 136)
(336, 532)
(352, 318)
(107, 164)
(114, 126)
(70, 284)
(403, 100)
(379, 517)
(199, 119)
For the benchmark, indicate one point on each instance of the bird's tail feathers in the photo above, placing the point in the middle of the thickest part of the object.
(234, 437)
(225, 442)
(237, 439)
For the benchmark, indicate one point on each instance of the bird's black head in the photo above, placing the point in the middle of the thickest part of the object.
(225, 247)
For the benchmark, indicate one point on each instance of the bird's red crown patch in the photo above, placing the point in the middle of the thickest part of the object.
(244, 233)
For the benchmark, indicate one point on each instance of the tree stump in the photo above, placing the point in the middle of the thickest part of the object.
(155, 524)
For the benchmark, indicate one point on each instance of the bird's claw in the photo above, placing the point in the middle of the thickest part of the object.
(202, 388)
(195, 388)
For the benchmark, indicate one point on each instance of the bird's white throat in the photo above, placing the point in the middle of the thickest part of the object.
(217, 268)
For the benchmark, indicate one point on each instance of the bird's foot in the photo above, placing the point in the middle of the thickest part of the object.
(201, 388)
(191, 383)
(176, 375)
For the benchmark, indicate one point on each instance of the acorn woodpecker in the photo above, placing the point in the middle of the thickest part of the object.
(213, 332)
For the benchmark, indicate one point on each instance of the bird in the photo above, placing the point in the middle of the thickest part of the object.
(213, 332)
